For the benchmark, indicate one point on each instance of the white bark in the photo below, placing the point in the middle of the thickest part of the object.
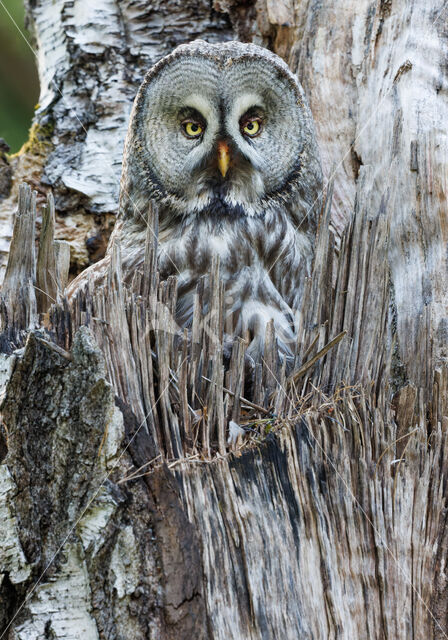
(334, 527)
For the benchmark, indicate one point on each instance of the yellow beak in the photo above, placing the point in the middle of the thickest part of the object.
(223, 157)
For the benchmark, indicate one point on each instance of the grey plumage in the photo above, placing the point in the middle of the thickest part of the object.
(261, 217)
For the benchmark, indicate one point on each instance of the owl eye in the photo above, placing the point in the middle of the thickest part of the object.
(251, 128)
(192, 129)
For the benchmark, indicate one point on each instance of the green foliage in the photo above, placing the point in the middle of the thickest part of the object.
(19, 87)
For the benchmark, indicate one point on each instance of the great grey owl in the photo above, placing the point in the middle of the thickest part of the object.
(221, 137)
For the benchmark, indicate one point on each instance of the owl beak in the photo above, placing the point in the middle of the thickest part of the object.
(223, 157)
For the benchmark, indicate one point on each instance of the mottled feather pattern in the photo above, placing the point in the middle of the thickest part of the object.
(259, 217)
(263, 264)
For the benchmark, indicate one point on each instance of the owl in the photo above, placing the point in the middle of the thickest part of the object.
(222, 139)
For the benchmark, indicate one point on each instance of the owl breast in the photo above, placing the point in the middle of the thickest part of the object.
(263, 264)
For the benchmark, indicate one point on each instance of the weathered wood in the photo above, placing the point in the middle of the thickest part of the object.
(18, 298)
(53, 261)
(159, 369)
(345, 423)
(76, 459)
(321, 514)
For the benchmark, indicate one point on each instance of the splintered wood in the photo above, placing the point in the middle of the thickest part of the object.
(173, 380)
(19, 311)
(334, 524)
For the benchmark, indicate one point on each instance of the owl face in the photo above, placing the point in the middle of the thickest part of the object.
(220, 130)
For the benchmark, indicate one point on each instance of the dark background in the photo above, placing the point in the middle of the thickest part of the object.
(19, 85)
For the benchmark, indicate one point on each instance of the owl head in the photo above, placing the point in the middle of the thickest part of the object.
(220, 130)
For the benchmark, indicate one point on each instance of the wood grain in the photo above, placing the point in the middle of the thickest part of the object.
(327, 518)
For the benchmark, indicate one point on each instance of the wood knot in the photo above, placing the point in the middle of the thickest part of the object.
(404, 68)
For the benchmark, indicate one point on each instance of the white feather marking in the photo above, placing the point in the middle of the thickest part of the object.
(243, 103)
(200, 103)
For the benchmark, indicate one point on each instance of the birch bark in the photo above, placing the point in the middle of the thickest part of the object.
(334, 525)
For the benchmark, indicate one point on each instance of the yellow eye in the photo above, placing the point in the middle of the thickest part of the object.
(252, 128)
(193, 129)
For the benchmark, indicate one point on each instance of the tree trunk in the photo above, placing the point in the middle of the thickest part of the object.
(132, 506)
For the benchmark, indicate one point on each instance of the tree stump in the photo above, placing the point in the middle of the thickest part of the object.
(142, 493)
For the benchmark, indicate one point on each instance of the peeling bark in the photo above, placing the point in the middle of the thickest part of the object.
(328, 518)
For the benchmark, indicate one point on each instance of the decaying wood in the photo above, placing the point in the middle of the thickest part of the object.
(18, 299)
(326, 518)
(287, 476)
(53, 261)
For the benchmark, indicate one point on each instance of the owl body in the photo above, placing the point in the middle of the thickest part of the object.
(263, 261)
(222, 140)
